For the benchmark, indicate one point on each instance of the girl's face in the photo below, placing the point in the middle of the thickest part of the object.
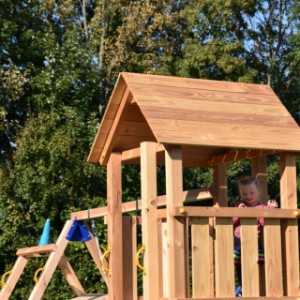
(249, 193)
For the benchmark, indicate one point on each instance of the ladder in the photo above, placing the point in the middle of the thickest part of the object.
(56, 258)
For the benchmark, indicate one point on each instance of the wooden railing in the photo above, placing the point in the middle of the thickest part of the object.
(210, 243)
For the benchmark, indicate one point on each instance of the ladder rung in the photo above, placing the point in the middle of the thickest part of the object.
(36, 250)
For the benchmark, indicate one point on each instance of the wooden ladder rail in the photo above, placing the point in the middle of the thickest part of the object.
(56, 258)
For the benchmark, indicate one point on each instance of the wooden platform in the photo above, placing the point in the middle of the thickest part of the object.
(91, 297)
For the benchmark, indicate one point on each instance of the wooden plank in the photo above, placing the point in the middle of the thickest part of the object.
(199, 112)
(96, 253)
(134, 114)
(187, 197)
(244, 298)
(36, 250)
(201, 267)
(51, 264)
(224, 264)
(128, 128)
(249, 259)
(70, 276)
(290, 238)
(225, 135)
(92, 297)
(185, 108)
(273, 258)
(227, 212)
(129, 267)
(136, 152)
(134, 222)
(259, 89)
(220, 186)
(114, 227)
(238, 155)
(259, 170)
(194, 93)
(126, 142)
(13, 278)
(109, 143)
(165, 261)
(149, 220)
(176, 254)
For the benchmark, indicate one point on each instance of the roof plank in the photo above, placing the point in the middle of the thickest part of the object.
(225, 135)
(196, 83)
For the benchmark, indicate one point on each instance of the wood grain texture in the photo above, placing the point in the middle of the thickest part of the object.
(151, 287)
(249, 247)
(226, 135)
(224, 265)
(201, 267)
(172, 110)
(273, 258)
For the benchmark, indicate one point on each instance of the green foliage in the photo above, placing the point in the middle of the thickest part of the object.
(59, 61)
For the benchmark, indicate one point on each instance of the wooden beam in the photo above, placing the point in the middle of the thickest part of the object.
(109, 143)
(175, 226)
(273, 258)
(114, 227)
(238, 155)
(70, 276)
(51, 264)
(259, 169)
(244, 298)
(220, 185)
(13, 278)
(250, 267)
(36, 251)
(201, 255)
(224, 263)
(136, 153)
(290, 238)
(187, 197)
(149, 220)
(93, 246)
(225, 212)
(129, 252)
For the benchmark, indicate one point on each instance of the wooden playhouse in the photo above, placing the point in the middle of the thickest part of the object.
(188, 250)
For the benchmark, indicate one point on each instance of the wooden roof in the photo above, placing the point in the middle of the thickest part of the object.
(205, 117)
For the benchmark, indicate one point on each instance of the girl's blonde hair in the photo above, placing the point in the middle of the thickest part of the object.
(247, 180)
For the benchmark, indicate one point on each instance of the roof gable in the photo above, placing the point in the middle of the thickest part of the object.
(193, 113)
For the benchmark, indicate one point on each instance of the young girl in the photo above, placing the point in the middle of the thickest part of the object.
(250, 194)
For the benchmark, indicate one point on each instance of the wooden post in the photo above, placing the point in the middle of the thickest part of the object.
(114, 225)
(273, 258)
(250, 267)
(259, 169)
(149, 220)
(51, 264)
(290, 239)
(201, 258)
(176, 244)
(220, 200)
(13, 278)
(129, 251)
(220, 185)
(71, 277)
(224, 263)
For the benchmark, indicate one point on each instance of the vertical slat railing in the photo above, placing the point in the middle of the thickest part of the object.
(224, 263)
(201, 254)
(249, 258)
(273, 258)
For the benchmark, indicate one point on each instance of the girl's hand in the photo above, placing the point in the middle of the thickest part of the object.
(242, 205)
(273, 203)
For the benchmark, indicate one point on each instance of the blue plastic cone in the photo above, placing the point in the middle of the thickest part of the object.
(45, 237)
